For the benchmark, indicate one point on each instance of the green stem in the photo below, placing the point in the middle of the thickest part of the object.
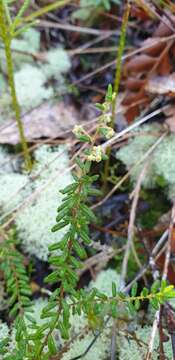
(119, 59)
(44, 10)
(6, 38)
(116, 86)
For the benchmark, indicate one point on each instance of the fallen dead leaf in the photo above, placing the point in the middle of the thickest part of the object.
(140, 63)
(134, 84)
(155, 48)
(165, 66)
(161, 85)
(163, 29)
(46, 121)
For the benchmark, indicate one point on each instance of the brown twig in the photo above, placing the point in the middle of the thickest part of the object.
(131, 222)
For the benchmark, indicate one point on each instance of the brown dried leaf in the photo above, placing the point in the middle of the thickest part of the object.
(140, 63)
(133, 97)
(48, 121)
(165, 66)
(155, 48)
(132, 113)
(161, 85)
(139, 13)
(163, 29)
(134, 84)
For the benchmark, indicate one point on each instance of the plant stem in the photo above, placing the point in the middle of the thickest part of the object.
(44, 10)
(116, 85)
(119, 59)
(6, 38)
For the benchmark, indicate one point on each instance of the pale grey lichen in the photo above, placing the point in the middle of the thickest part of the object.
(36, 219)
(31, 77)
(31, 80)
(28, 42)
(34, 223)
(4, 333)
(104, 281)
(136, 350)
(11, 194)
(99, 350)
(30, 86)
(161, 162)
(58, 63)
(7, 162)
(4, 330)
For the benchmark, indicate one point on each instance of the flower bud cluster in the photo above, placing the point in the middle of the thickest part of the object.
(96, 154)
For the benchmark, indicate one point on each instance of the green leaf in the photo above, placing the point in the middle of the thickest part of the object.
(137, 304)
(79, 250)
(114, 311)
(155, 286)
(63, 330)
(155, 304)
(59, 226)
(162, 285)
(109, 93)
(85, 237)
(62, 244)
(14, 310)
(94, 192)
(131, 308)
(53, 277)
(69, 188)
(114, 289)
(51, 345)
(145, 292)
(134, 289)
(79, 163)
(84, 138)
(88, 212)
(99, 106)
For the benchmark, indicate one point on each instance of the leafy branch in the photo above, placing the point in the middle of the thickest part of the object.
(16, 278)
(67, 255)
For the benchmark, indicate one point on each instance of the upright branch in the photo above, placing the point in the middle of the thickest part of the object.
(119, 58)
(5, 35)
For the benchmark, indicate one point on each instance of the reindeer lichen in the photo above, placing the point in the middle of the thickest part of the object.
(161, 163)
(36, 220)
(136, 347)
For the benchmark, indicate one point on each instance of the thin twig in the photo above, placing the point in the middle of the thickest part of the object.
(131, 222)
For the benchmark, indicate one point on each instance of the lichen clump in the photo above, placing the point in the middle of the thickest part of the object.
(34, 223)
(32, 77)
(136, 347)
(161, 165)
